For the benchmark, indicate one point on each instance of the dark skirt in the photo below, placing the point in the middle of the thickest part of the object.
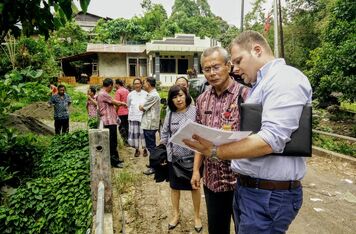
(177, 183)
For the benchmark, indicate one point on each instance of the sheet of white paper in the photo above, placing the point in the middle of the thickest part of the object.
(217, 136)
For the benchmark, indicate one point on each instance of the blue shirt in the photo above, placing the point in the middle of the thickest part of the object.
(283, 91)
(61, 106)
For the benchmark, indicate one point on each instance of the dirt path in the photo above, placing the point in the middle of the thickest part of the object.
(147, 204)
(83, 88)
(330, 181)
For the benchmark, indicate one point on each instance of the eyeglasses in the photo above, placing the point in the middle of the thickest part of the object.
(215, 68)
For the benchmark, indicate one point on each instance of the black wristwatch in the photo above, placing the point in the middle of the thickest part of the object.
(214, 153)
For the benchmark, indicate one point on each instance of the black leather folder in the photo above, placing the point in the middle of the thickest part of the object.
(301, 139)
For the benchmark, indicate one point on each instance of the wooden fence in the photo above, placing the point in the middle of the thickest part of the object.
(67, 79)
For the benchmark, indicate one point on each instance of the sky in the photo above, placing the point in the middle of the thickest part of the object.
(229, 10)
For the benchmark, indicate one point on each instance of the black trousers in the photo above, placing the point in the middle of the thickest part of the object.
(61, 126)
(124, 127)
(114, 154)
(219, 209)
(150, 139)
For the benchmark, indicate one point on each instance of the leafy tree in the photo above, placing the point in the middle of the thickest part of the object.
(34, 16)
(301, 32)
(68, 40)
(196, 17)
(30, 54)
(151, 22)
(188, 7)
(228, 36)
(152, 25)
(188, 16)
(119, 30)
(333, 63)
(254, 20)
(204, 8)
(146, 5)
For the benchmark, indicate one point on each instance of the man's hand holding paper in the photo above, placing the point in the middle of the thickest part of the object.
(200, 138)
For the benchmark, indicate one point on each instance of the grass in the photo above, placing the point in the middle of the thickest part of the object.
(349, 106)
(79, 100)
(335, 144)
(163, 93)
(126, 179)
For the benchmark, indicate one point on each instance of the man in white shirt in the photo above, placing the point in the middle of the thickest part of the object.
(136, 98)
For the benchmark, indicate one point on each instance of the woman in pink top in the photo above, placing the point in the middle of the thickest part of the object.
(122, 111)
(92, 107)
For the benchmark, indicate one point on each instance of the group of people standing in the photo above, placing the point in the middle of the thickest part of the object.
(242, 180)
(131, 111)
(248, 181)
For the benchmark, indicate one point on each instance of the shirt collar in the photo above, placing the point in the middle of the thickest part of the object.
(262, 72)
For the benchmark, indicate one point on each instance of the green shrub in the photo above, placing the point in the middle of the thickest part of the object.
(59, 200)
(34, 92)
(333, 144)
(20, 153)
(49, 205)
(79, 100)
(5, 176)
(93, 123)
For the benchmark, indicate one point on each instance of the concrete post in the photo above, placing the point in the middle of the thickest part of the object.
(99, 222)
(100, 167)
(157, 66)
(196, 62)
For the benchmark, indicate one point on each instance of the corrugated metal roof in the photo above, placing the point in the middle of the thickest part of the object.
(81, 56)
(116, 48)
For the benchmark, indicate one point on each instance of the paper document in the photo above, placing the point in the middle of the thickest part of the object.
(217, 136)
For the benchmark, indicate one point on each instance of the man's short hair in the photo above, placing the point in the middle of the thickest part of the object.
(119, 82)
(151, 81)
(107, 82)
(211, 50)
(247, 38)
(173, 92)
(61, 86)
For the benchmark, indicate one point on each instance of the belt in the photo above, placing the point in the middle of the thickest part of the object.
(247, 181)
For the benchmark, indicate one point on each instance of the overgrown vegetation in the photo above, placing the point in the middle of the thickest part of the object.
(335, 144)
(79, 100)
(19, 155)
(338, 122)
(332, 63)
(57, 198)
(125, 180)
